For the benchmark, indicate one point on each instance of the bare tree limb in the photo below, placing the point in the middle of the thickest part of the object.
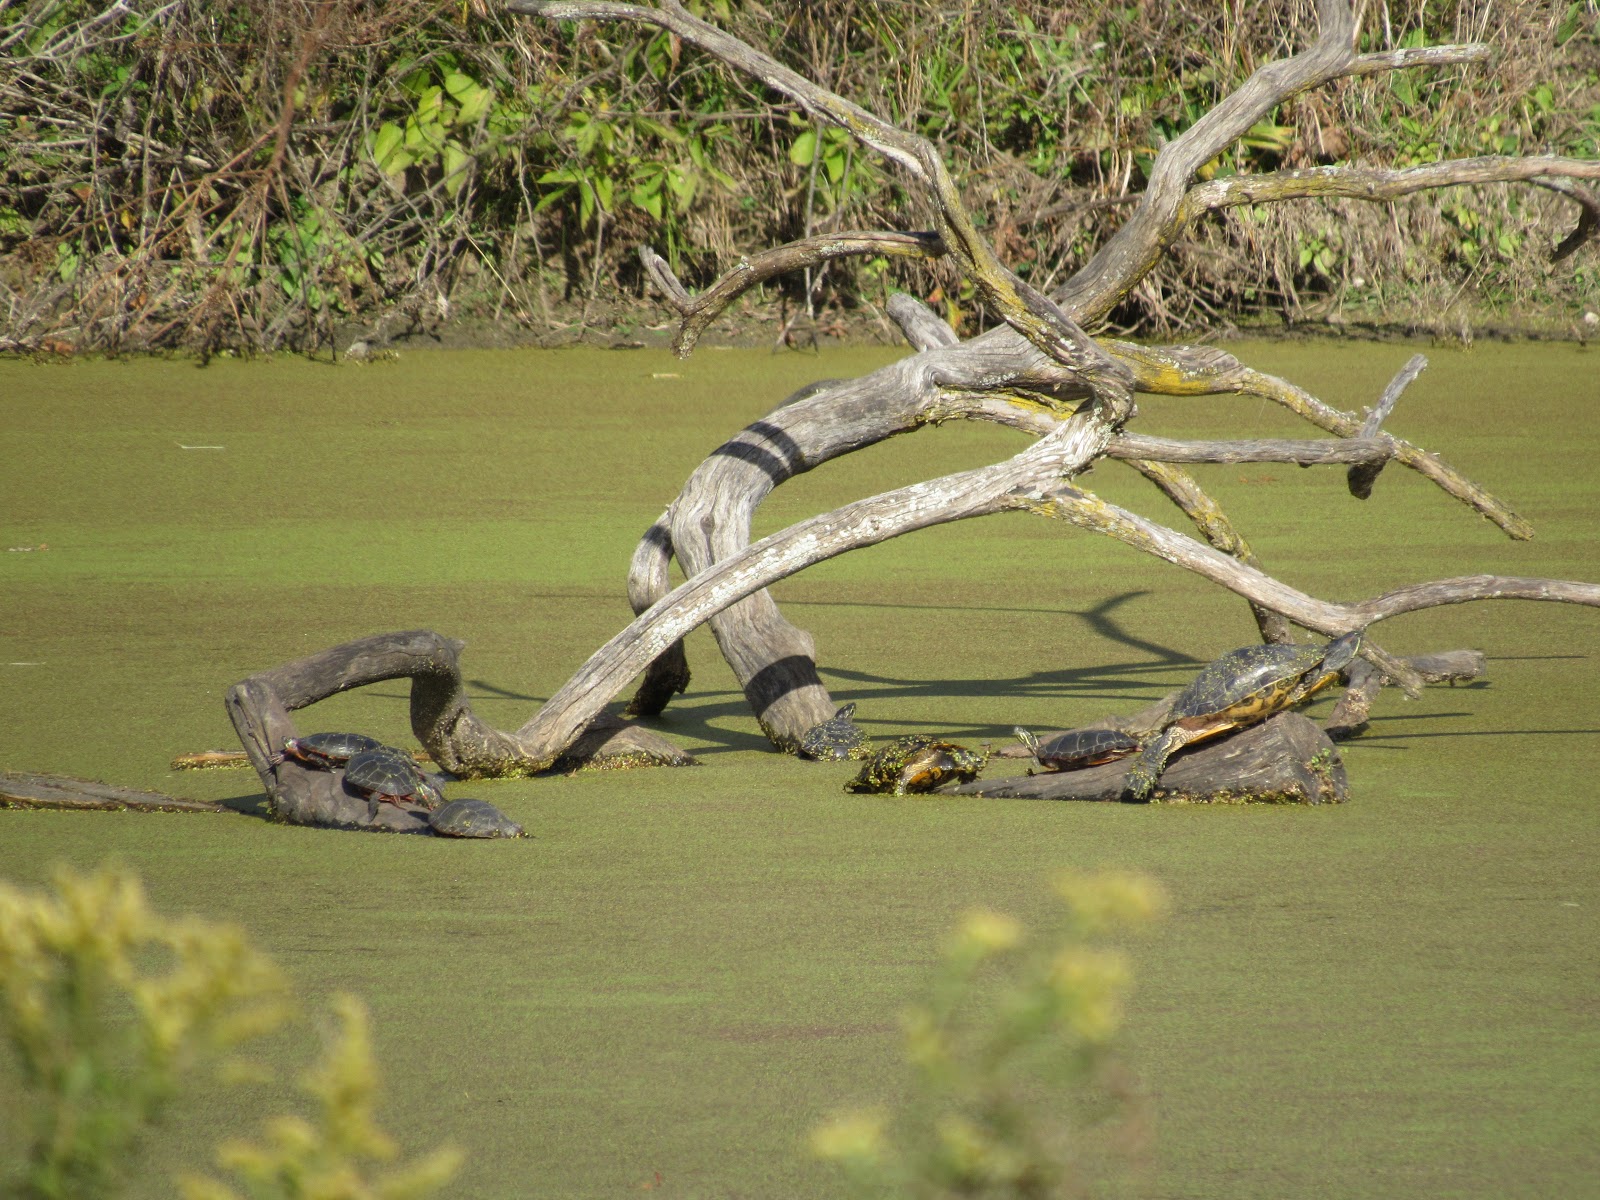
(699, 310)
(1362, 476)
(1374, 183)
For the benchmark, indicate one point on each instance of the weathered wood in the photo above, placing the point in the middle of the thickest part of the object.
(441, 718)
(1285, 760)
(1349, 717)
(1318, 452)
(1023, 383)
(1361, 476)
(23, 789)
(701, 309)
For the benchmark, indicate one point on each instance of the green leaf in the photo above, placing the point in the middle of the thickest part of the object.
(456, 161)
(803, 150)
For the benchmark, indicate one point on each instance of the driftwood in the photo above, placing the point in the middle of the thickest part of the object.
(1349, 717)
(441, 718)
(1284, 760)
(1040, 374)
(26, 790)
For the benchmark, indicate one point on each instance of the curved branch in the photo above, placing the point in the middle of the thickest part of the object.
(1088, 511)
(700, 309)
(1134, 249)
(1375, 183)
(1014, 484)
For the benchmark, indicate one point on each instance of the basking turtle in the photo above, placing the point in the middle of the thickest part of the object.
(1240, 688)
(837, 737)
(473, 819)
(917, 764)
(388, 774)
(1078, 748)
(328, 750)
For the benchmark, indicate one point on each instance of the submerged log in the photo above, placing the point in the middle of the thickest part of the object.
(23, 789)
(1285, 760)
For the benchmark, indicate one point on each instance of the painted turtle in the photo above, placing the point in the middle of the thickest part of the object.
(473, 819)
(837, 737)
(917, 764)
(328, 750)
(1078, 748)
(1240, 688)
(388, 774)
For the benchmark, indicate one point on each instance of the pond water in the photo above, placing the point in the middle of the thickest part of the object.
(683, 971)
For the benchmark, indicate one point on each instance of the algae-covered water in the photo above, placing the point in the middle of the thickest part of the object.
(682, 971)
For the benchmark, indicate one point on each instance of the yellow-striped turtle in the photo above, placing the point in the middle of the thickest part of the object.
(1078, 748)
(837, 737)
(917, 764)
(1240, 688)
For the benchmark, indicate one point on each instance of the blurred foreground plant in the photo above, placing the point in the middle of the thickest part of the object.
(324, 1160)
(1011, 1049)
(109, 1007)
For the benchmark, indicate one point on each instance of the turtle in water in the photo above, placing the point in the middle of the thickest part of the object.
(837, 737)
(388, 774)
(918, 763)
(1240, 688)
(1078, 748)
(328, 750)
(473, 819)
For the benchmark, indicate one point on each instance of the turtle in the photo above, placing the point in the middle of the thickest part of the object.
(918, 763)
(837, 737)
(1240, 688)
(1078, 748)
(385, 773)
(328, 750)
(473, 819)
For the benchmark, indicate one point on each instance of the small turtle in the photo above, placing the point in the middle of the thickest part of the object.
(388, 774)
(917, 764)
(1078, 748)
(837, 737)
(328, 750)
(1240, 688)
(473, 819)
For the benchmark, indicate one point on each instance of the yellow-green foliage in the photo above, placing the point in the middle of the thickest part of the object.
(327, 1159)
(109, 1006)
(1015, 1030)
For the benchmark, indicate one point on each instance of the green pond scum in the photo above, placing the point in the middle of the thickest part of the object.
(680, 972)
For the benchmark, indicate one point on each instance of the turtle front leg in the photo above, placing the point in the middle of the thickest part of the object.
(1152, 760)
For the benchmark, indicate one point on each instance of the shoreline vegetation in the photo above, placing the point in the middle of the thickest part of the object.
(251, 176)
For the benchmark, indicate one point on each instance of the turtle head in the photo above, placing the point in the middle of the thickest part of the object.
(1342, 651)
(1028, 740)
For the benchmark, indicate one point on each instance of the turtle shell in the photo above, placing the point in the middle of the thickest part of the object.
(385, 773)
(1252, 683)
(916, 764)
(328, 750)
(836, 738)
(473, 819)
(1078, 748)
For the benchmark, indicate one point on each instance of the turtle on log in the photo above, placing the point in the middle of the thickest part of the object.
(1241, 688)
(1078, 748)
